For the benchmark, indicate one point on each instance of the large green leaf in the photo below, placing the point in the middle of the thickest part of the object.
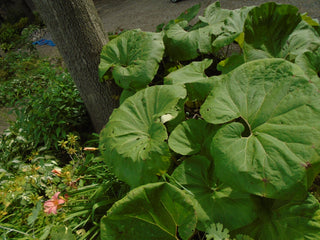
(215, 202)
(61, 233)
(193, 76)
(133, 58)
(191, 137)
(183, 45)
(232, 28)
(312, 22)
(304, 38)
(227, 25)
(272, 149)
(287, 220)
(133, 142)
(188, 14)
(310, 63)
(214, 15)
(267, 28)
(230, 63)
(273, 30)
(156, 211)
(185, 16)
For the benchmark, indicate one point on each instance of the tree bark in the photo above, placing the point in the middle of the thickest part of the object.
(77, 30)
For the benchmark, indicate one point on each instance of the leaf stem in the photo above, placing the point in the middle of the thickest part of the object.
(14, 230)
(179, 184)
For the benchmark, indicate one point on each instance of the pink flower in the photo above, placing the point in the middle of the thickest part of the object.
(52, 205)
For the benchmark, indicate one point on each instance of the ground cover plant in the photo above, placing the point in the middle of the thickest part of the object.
(40, 153)
(216, 145)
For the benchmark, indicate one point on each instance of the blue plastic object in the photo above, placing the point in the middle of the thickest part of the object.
(44, 42)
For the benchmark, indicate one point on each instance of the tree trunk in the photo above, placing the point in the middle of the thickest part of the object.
(30, 4)
(77, 30)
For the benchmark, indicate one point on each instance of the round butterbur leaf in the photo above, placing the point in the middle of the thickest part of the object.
(284, 220)
(214, 201)
(158, 211)
(133, 57)
(277, 30)
(270, 143)
(133, 143)
(193, 77)
(191, 137)
(310, 63)
(182, 45)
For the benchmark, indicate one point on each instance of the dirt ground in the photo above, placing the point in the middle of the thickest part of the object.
(147, 14)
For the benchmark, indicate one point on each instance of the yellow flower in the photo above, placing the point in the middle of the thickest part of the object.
(63, 144)
(71, 151)
(72, 139)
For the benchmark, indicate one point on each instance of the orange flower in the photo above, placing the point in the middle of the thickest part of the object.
(52, 205)
(56, 172)
(90, 149)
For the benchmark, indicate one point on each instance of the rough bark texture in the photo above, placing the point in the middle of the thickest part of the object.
(77, 30)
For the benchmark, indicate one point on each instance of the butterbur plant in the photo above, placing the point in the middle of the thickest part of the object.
(238, 149)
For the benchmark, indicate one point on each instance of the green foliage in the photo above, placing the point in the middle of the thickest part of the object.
(156, 208)
(215, 201)
(15, 84)
(134, 54)
(194, 78)
(244, 149)
(263, 40)
(288, 220)
(310, 62)
(269, 98)
(192, 136)
(216, 232)
(22, 187)
(145, 134)
(191, 153)
(50, 114)
(50, 108)
(88, 188)
(10, 34)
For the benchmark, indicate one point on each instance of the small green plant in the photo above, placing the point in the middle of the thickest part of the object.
(41, 196)
(10, 34)
(23, 186)
(49, 115)
(22, 74)
(48, 106)
(18, 35)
